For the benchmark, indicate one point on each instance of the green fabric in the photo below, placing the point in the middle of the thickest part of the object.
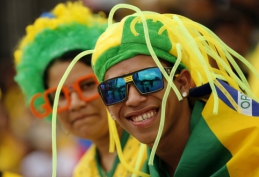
(204, 155)
(201, 148)
(157, 169)
(132, 45)
(101, 171)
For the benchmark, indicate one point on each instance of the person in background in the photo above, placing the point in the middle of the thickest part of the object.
(43, 56)
(147, 77)
(10, 143)
(235, 22)
(236, 26)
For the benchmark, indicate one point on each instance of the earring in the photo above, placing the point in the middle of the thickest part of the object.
(184, 94)
(114, 118)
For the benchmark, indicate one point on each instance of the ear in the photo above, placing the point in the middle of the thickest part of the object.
(184, 82)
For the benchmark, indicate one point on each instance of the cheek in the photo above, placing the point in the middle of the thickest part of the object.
(99, 106)
(172, 98)
(63, 118)
(173, 104)
(115, 111)
(99, 102)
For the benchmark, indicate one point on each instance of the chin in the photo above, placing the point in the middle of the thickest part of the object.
(84, 133)
(146, 139)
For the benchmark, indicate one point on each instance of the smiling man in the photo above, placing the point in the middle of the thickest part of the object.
(156, 80)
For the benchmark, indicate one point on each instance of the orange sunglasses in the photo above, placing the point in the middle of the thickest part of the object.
(85, 87)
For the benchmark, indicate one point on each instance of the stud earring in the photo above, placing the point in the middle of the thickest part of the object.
(184, 94)
(114, 118)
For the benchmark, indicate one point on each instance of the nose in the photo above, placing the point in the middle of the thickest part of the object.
(134, 97)
(76, 102)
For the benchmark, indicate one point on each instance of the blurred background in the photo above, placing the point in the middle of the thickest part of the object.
(25, 142)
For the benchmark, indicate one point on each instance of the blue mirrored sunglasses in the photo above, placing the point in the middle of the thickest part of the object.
(146, 81)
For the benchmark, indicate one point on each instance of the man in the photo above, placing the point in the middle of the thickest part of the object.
(206, 124)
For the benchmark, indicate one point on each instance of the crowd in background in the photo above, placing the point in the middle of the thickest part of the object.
(24, 138)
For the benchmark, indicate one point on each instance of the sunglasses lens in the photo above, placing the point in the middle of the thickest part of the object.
(113, 91)
(148, 80)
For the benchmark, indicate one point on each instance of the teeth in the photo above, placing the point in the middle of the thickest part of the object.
(139, 118)
(144, 116)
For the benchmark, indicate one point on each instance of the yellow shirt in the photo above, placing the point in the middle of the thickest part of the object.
(88, 165)
(9, 174)
(10, 153)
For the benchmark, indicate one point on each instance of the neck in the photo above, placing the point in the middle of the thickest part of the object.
(171, 153)
(106, 158)
(173, 141)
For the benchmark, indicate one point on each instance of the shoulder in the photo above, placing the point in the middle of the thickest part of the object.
(133, 153)
(87, 164)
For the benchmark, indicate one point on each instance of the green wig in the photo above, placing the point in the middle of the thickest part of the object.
(67, 27)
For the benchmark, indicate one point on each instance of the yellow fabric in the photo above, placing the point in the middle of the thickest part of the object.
(253, 81)
(10, 154)
(109, 36)
(88, 166)
(9, 174)
(231, 132)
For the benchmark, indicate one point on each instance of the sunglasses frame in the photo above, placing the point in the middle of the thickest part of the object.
(128, 78)
(47, 105)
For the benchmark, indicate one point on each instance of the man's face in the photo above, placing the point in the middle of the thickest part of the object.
(140, 114)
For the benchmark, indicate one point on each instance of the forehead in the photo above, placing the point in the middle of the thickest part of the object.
(58, 69)
(130, 65)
